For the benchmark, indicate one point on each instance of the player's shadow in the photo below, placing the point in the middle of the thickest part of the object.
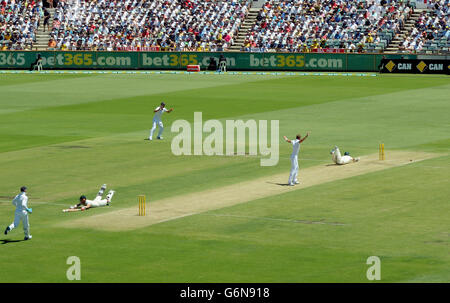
(280, 184)
(6, 241)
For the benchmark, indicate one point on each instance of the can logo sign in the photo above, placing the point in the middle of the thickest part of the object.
(390, 66)
(421, 66)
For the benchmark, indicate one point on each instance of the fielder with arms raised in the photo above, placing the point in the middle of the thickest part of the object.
(21, 203)
(294, 157)
(157, 120)
(97, 202)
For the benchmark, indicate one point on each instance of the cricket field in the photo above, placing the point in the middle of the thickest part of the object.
(226, 218)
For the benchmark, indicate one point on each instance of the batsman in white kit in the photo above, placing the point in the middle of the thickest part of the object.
(341, 160)
(294, 157)
(21, 203)
(97, 202)
(157, 120)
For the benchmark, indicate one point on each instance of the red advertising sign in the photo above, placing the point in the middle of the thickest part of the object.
(328, 50)
(139, 49)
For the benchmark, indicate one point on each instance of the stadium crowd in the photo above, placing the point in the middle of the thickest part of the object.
(305, 25)
(432, 29)
(141, 24)
(211, 25)
(19, 21)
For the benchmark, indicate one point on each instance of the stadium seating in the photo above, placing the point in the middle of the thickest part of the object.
(211, 25)
(431, 32)
(166, 24)
(19, 21)
(304, 25)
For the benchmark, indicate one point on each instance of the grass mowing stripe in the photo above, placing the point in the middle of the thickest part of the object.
(84, 90)
(274, 219)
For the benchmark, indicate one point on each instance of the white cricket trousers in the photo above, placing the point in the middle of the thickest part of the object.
(223, 66)
(161, 128)
(294, 170)
(341, 160)
(21, 216)
(98, 201)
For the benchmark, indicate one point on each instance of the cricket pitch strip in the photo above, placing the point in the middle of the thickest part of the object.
(199, 202)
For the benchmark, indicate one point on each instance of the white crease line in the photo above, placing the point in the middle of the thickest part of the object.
(177, 217)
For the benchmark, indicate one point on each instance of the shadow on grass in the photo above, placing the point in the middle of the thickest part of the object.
(280, 184)
(6, 241)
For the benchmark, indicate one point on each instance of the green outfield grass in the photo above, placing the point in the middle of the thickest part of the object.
(65, 135)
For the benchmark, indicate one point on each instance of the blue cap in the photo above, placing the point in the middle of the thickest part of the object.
(23, 188)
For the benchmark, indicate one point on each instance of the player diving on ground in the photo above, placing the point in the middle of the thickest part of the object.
(97, 202)
(341, 160)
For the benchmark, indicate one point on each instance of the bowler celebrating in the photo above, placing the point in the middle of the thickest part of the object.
(294, 158)
(157, 120)
(22, 210)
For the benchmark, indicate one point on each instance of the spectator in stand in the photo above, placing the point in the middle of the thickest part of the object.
(351, 47)
(46, 19)
(315, 45)
(51, 44)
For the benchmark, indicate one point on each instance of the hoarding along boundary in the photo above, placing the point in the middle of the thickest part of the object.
(86, 60)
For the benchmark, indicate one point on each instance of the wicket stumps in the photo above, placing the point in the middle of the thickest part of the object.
(381, 151)
(141, 201)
